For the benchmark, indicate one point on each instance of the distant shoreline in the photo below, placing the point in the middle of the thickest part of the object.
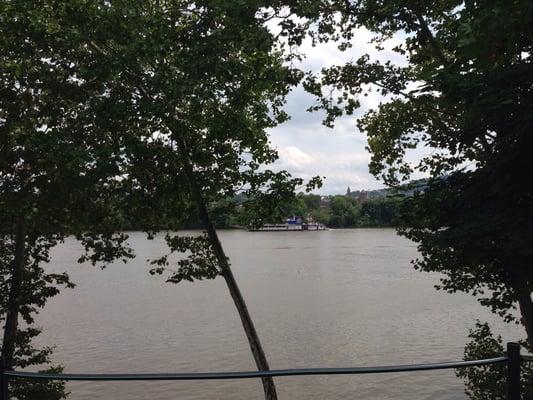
(246, 230)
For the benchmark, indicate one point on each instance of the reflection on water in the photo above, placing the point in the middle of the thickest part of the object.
(319, 299)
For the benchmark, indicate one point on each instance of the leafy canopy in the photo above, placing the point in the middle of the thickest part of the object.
(103, 107)
(108, 112)
(463, 93)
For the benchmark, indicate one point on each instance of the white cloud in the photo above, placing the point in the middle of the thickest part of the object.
(300, 161)
(306, 147)
(340, 170)
(293, 158)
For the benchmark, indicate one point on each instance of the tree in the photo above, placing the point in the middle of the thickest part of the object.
(57, 178)
(488, 381)
(295, 207)
(380, 211)
(465, 91)
(184, 92)
(312, 201)
(210, 81)
(345, 211)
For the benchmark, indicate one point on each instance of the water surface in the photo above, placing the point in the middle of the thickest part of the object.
(319, 299)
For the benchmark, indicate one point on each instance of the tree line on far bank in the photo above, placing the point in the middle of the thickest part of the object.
(346, 211)
(334, 211)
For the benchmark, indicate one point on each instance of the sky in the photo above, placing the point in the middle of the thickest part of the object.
(307, 148)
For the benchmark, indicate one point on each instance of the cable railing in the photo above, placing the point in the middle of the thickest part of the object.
(512, 358)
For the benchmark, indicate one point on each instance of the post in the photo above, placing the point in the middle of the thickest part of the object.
(3, 381)
(513, 371)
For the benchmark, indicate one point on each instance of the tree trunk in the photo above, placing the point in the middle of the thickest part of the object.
(247, 323)
(13, 304)
(526, 311)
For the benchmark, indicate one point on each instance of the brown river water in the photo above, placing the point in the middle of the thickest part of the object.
(340, 298)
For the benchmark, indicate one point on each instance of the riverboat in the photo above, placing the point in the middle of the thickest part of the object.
(291, 224)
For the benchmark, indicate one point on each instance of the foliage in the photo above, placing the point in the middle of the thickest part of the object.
(339, 211)
(56, 176)
(199, 263)
(344, 211)
(24, 389)
(381, 211)
(478, 257)
(312, 201)
(113, 113)
(488, 382)
(464, 91)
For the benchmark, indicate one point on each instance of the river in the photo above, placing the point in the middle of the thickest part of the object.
(336, 298)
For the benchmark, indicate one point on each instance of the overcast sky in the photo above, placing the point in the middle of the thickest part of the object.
(307, 148)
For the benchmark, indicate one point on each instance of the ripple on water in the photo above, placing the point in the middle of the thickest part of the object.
(330, 299)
